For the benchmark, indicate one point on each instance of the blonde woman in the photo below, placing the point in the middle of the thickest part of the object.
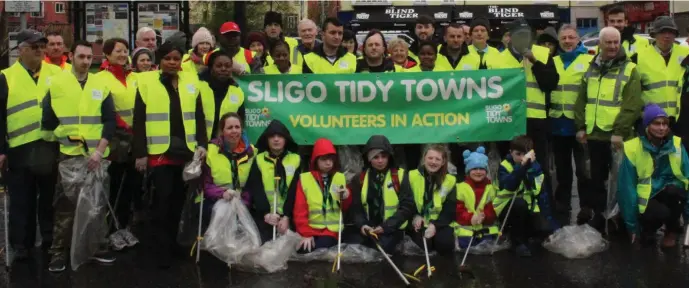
(399, 53)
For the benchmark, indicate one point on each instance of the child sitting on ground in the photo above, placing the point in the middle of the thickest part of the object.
(475, 213)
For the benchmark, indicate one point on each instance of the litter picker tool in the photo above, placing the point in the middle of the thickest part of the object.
(339, 234)
(374, 236)
(8, 251)
(685, 243)
(199, 237)
(464, 269)
(504, 221)
(276, 194)
(428, 259)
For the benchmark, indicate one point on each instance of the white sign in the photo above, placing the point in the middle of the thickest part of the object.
(397, 13)
(505, 12)
(440, 15)
(22, 6)
(547, 14)
(362, 16)
(466, 15)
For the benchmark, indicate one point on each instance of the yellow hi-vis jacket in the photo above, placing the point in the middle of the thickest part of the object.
(323, 215)
(466, 194)
(604, 93)
(418, 187)
(535, 98)
(266, 165)
(390, 199)
(662, 84)
(563, 98)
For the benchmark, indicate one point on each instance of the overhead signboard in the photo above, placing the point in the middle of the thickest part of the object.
(404, 14)
(22, 6)
(467, 12)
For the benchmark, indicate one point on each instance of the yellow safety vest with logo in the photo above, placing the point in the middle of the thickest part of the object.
(266, 165)
(531, 196)
(662, 84)
(234, 98)
(491, 58)
(466, 194)
(418, 187)
(221, 170)
(272, 69)
(319, 65)
(644, 164)
(157, 101)
(79, 111)
(604, 93)
(469, 61)
(564, 96)
(24, 98)
(319, 219)
(535, 98)
(123, 96)
(390, 199)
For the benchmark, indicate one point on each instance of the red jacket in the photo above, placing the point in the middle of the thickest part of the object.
(120, 74)
(301, 207)
(464, 216)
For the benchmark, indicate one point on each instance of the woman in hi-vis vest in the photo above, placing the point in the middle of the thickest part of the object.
(125, 181)
(219, 92)
(227, 164)
(169, 127)
(435, 197)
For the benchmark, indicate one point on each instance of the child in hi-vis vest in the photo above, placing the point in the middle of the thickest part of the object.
(475, 214)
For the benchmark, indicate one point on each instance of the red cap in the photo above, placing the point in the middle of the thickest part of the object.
(229, 27)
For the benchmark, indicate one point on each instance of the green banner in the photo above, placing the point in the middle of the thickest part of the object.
(423, 107)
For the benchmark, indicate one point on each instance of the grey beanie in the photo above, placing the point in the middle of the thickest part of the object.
(664, 23)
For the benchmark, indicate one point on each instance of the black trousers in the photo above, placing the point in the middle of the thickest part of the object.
(24, 188)
(664, 209)
(564, 147)
(539, 132)
(126, 181)
(443, 242)
(595, 197)
(522, 224)
(168, 200)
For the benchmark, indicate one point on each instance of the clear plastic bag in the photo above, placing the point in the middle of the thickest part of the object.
(576, 242)
(486, 247)
(189, 221)
(90, 190)
(612, 209)
(351, 161)
(351, 253)
(272, 256)
(192, 170)
(408, 248)
(232, 232)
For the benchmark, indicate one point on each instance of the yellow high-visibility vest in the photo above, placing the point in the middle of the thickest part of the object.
(418, 186)
(319, 217)
(535, 98)
(123, 96)
(530, 196)
(604, 93)
(662, 84)
(390, 199)
(266, 165)
(564, 96)
(319, 65)
(466, 194)
(221, 170)
(234, 98)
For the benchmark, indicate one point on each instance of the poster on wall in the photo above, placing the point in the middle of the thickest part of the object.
(161, 17)
(106, 20)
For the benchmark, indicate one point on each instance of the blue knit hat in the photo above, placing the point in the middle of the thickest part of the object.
(651, 112)
(475, 160)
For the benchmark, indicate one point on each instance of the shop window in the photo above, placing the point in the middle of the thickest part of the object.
(59, 7)
(40, 13)
(587, 23)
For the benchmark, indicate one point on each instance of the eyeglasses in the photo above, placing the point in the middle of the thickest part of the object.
(36, 46)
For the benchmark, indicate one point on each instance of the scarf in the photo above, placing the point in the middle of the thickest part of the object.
(120, 72)
(376, 206)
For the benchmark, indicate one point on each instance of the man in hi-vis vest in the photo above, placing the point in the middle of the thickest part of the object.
(29, 159)
(78, 107)
(608, 104)
(652, 181)
(660, 67)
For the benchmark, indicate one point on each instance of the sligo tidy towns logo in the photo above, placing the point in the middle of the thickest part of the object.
(547, 14)
(440, 15)
(505, 12)
(466, 15)
(362, 16)
(402, 13)
(499, 113)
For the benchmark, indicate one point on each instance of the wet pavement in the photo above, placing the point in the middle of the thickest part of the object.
(622, 265)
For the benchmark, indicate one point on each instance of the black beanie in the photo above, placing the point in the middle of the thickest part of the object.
(480, 22)
(272, 17)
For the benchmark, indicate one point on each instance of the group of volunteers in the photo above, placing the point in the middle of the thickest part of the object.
(151, 111)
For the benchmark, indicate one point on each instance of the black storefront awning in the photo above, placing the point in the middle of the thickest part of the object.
(401, 14)
(464, 14)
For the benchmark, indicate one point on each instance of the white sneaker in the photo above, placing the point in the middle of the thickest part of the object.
(117, 241)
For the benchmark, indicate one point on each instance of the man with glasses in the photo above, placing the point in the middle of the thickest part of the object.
(30, 160)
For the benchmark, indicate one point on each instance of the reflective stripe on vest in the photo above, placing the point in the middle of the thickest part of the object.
(660, 83)
(234, 98)
(319, 65)
(390, 199)
(535, 98)
(123, 96)
(266, 165)
(221, 170)
(644, 163)
(315, 198)
(604, 95)
(470, 61)
(565, 94)
(157, 101)
(466, 194)
(418, 186)
(24, 98)
(504, 196)
(78, 111)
